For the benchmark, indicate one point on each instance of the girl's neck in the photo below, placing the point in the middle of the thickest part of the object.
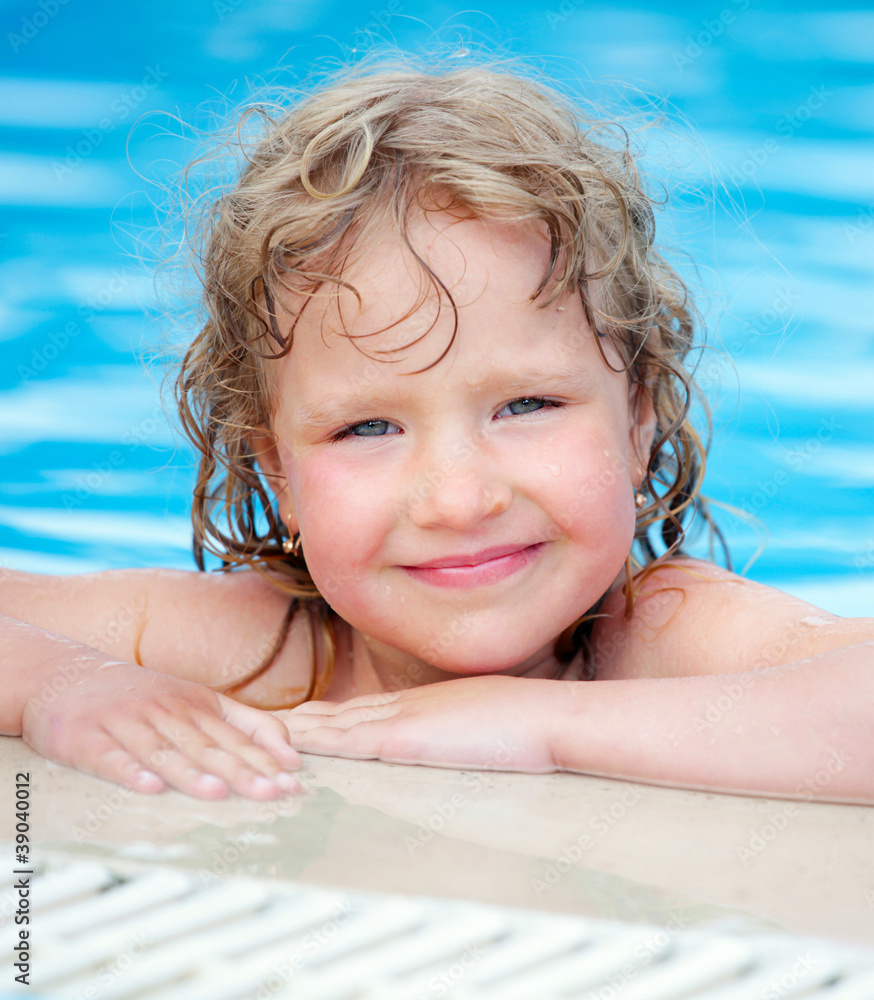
(366, 666)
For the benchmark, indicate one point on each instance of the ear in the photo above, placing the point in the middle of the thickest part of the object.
(262, 442)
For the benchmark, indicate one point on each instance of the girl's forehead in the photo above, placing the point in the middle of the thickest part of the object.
(458, 257)
(394, 292)
(463, 319)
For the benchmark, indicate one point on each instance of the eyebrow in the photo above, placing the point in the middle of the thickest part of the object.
(534, 380)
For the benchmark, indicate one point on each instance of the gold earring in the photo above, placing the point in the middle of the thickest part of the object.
(291, 545)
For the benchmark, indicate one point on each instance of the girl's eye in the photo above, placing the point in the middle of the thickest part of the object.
(528, 404)
(382, 428)
(366, 428)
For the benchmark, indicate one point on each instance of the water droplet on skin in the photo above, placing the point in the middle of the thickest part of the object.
(402, 599)
(554, 469)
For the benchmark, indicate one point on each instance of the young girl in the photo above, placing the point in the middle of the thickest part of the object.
(447, 463)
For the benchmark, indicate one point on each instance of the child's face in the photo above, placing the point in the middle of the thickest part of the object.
(511, 463)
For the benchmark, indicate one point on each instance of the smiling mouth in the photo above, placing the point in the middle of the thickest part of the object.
(477, 569)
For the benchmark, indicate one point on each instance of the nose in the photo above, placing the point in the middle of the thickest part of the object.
(457, 494)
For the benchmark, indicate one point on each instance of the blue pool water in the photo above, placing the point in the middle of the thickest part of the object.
(774, 204)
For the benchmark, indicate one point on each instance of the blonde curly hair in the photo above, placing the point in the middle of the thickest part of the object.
(329, 174)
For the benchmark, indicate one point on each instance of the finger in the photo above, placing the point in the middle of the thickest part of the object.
(106, 758)
(221, 751)
(335, 707)
(222, 738)
(312, 708)
(160, 753)
(357, 743)
(239, 774)
(189, 761)
(346, 718)
(262, 728)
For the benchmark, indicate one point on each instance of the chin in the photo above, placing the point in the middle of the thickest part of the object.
(478, 662)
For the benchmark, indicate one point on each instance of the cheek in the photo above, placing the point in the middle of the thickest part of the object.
(342, 519)
(597, 498)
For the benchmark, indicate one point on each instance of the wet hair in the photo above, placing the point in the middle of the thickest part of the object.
(332, 173)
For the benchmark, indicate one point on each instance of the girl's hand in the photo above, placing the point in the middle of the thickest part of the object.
(148, 730)
(497, 722)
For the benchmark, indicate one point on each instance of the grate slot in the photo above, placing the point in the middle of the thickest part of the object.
(860, 986)
(695, 965)
(228, 980)
(66, 885)
(577, 970)
(415, 956)
(765, 979)
(546, 941)
(115, 903)
(136, 938)
(184, 964)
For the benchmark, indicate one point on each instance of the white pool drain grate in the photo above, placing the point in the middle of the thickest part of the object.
(98, 935)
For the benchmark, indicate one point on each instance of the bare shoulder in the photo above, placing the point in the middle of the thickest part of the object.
(205, 627)
(693, 617)
(213, 628)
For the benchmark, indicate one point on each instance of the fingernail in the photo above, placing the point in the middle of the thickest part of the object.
(210, 781)
(143, 775)
(262, 784)
(287, 782)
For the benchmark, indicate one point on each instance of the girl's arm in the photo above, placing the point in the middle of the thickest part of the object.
(803, 730)
(84, 703)
(714, 682)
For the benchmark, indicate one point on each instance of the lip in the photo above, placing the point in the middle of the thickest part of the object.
(475, 569)
(473, 559)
